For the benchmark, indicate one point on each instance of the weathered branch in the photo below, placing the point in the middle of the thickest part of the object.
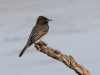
(67, 60)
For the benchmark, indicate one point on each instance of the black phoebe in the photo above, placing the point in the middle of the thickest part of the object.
(40, 29)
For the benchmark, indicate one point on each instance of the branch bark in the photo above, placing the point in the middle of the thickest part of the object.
(69, 61)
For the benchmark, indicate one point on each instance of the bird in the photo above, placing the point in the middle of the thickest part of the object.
(39, 30)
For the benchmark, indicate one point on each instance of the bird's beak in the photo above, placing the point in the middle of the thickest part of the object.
(49, 20)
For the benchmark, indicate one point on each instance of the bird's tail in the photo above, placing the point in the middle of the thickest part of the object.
(24, 49)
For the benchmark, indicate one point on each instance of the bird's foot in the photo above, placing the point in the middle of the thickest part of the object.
(34, 42)
(43, 43)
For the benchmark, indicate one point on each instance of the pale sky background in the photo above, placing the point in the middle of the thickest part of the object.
(75, 30)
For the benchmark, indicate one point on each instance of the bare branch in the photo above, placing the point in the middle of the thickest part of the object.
(67, 60)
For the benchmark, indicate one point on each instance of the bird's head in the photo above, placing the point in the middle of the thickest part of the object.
(43, 20)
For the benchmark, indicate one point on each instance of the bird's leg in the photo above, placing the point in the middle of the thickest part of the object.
(34, 42)
(40, 40)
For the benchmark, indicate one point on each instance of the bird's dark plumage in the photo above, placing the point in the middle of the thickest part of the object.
(40, 29)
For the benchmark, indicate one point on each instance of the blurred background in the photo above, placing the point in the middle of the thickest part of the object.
(75, 30)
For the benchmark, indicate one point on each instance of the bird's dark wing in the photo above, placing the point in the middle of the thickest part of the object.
(34, 36)
(28, 42)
